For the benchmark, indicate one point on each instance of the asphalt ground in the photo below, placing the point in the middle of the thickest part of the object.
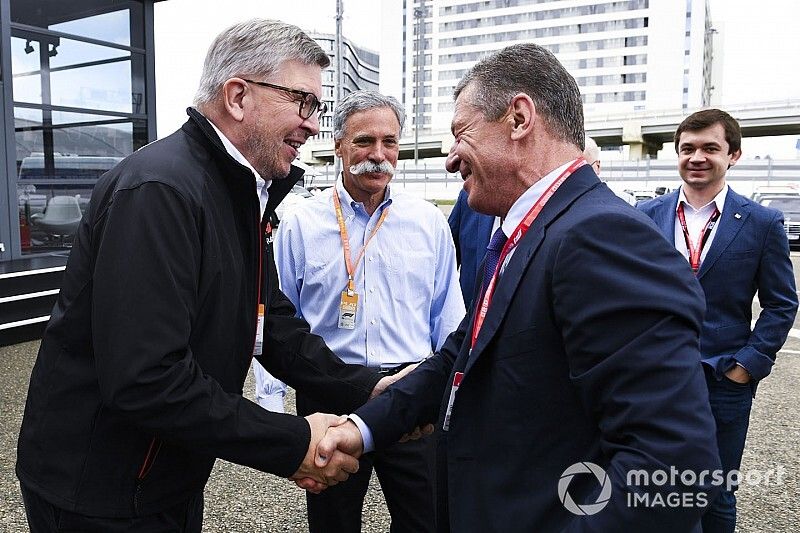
(239, 499)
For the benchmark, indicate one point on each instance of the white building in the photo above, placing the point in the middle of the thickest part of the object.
(359, 71)
(626, 55)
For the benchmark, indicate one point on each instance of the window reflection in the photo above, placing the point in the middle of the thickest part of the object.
(58, 165)
(113, 27)
(25, 70)
(96, 19)
(78, 107)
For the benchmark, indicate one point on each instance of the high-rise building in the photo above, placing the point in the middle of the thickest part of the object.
(626, 55)
(359, 71)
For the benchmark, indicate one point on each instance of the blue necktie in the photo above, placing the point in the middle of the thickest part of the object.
(496, 244)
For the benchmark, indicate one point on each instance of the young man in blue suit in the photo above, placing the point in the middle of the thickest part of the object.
(736, 247)
(580, 355)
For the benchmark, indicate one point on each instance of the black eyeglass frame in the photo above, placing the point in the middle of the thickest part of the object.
(307, 99)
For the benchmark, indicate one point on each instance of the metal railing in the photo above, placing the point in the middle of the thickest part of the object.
(430, 180)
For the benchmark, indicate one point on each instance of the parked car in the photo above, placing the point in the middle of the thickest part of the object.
(789, 205)
(789, 189)
(641, 195)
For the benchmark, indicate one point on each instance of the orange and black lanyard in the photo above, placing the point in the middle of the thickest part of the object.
(349, 263)
(512, 242)
(695, 253)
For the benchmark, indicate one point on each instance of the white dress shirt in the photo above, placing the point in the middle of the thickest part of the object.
(696, 220)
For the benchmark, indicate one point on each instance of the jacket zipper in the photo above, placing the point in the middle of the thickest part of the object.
(147, 465)
(260, 243)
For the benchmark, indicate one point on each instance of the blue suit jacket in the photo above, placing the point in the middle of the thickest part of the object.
(471, 233)
(749, 253)
(588, 352)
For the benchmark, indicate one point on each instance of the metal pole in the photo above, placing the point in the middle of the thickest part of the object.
(339, 89)
(419, 14)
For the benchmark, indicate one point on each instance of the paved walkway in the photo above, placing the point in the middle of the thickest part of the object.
(242, 500)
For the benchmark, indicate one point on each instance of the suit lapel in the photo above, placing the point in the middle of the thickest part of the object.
(664, 215)
(581, 181)
(734, 215)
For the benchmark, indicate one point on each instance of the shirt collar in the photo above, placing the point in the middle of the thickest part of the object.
(719, 200)
(351, 204)
(529, 197)
(237, 155)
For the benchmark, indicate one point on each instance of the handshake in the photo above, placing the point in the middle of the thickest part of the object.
(336, 445)
(333, 452)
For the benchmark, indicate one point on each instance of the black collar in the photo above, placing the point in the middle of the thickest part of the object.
(279, 188)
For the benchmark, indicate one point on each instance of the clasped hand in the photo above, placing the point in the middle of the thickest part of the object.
(316, 474)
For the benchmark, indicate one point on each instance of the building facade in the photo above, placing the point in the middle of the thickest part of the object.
(360, 68)
(622, 53)
(79, 96)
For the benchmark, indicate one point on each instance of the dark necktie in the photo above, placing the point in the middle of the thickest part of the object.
(496, 244)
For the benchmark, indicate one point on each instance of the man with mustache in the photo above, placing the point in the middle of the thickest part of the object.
(373, 271)
(735, 247)
(169, 293)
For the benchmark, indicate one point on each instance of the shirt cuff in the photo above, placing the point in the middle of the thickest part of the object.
(745, 369)
(366, 433)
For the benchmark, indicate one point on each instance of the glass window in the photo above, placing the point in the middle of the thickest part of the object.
(106, 20)
(79, 107)
(25, 70)
(91, 76)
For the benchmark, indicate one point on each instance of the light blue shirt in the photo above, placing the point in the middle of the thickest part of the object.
(409, 299)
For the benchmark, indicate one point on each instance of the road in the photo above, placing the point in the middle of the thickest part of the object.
(242, 500)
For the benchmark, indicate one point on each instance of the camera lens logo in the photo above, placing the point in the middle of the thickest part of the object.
(586, 508)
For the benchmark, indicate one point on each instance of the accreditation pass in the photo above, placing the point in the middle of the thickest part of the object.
(347, 309)
(457, 377)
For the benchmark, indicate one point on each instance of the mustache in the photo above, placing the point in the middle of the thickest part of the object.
(370, 167)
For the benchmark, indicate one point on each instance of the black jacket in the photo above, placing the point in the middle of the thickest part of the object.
(138, 384)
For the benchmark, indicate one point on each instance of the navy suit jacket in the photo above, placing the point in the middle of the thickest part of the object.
(588, 352)
(749, 253)
(471, 233)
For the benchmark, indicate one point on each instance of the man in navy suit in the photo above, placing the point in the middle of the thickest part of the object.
(578, 364)
(736, 247)
(471, 232)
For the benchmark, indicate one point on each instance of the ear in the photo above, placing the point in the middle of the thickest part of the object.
(233, 96)
(735, 157)
(522, 116)
(336, 149)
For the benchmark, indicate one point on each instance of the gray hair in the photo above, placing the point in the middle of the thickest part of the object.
(255, 47)
(528, 68)
(361, 101)
(592, 151)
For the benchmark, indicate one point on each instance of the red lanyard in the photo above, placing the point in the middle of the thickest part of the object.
(512, 242)
(351, 265)
(695, 253)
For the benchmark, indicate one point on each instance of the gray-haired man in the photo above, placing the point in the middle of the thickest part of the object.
(170, 291)
(373, 271)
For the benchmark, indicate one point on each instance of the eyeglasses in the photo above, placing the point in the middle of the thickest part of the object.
(308, 101)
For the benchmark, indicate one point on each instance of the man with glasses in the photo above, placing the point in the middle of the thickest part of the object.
(170, 291)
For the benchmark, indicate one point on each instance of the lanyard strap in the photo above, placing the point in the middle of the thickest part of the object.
(695, 253)
(512, 242)
(350, 264)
